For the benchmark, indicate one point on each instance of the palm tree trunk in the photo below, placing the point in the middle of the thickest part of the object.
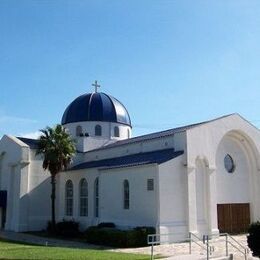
(53, 191)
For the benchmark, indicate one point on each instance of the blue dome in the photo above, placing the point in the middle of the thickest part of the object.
(96, 107)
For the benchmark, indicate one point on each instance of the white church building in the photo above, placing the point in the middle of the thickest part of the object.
(203, 178)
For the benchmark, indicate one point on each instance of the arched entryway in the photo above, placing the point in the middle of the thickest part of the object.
(236, 173)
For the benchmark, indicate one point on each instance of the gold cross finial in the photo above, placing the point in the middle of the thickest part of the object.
(96, 86)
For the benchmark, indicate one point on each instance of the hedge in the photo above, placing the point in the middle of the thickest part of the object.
(253, 239)
(114, 237)
(64, 228)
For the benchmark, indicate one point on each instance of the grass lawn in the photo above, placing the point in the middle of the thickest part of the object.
(11, 250)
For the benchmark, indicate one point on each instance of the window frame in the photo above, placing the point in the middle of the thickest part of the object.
(150, 184)
(116, 131)
(69, 198)
(126, 194)
(96, 198)
(229, 163)
(98, 130)
(83, 198)
(79, 130)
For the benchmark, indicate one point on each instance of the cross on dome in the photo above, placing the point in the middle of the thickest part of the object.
(96, 86)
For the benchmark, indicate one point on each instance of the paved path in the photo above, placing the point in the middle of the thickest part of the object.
(33, 239)
(179, 249)
(175, 251)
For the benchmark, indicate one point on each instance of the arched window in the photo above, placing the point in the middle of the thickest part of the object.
(69, 198)
(83, 198)
(128, 133)
(116, 131)
(126, 194)
(96, 197)
(98, 130)
(79, 130)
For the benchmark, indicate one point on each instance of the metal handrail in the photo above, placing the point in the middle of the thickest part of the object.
(236, 247)
(192, 240)
(155, 239)
(209, 249)
(242, 249)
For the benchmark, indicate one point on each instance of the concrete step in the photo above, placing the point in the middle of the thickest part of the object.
(195, 257)
(203, 257)
(185, 257)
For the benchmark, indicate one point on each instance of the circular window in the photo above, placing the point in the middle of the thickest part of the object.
(229, 163)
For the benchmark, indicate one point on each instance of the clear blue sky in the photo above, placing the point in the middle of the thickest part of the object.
(169, 62)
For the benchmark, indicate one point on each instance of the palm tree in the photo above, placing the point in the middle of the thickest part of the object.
(57, 148)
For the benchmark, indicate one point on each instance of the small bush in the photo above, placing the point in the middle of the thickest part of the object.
(106, 225)
(118, 238)
(253, 239)
(50, 228)
(64, 228)
(142, 233)
(105, 236)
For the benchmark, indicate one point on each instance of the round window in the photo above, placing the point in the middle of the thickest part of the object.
(229, 163)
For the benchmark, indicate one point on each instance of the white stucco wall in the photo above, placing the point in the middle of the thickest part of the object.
(39, 192)
(203, 140)
(173, 199)
(107, 129)
(91, 142)
(186, 192)
(27, 185)
(176, 141)
(210, 142)
(232, 187)
(202, 196)
(75, 176)
(143, 203)
(14, 176)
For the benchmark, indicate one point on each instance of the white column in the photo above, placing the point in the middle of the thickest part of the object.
(11, 190)
(192, 208)
(212, 202)
(23, 207)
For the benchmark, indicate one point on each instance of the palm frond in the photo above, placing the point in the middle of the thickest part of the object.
(57, 148)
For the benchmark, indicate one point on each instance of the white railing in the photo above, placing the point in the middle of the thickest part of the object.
(235, 244)
(158, 239)
(204, 243)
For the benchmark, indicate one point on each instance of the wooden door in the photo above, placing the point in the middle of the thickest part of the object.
(233, 218)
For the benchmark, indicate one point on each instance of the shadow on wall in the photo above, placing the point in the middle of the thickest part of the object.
(37, 204)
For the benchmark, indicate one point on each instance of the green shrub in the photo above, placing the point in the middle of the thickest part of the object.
(132, 238)
(142, 233)
(50, 228)
(115, 237)
(253, 239)
(118, 238)
(106, 225)
(105, 236)
(64, 228)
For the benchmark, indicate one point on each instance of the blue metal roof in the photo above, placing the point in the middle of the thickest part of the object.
(158, 156)
(96, 107)
(32, 143)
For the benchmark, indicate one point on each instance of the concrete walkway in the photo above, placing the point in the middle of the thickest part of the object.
(45, 241)
(181, 250)
(175, 251)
